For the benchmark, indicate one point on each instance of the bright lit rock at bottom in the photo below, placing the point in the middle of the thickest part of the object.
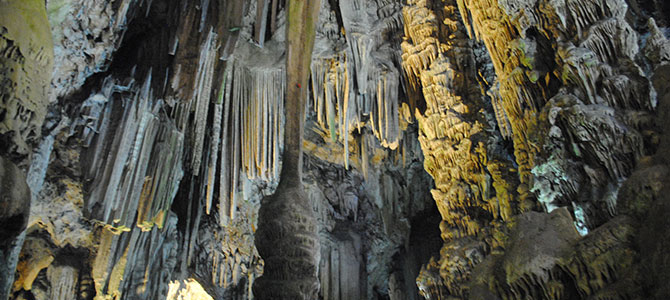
(187, 290)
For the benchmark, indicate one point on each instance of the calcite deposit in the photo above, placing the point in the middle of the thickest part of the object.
(334, 149)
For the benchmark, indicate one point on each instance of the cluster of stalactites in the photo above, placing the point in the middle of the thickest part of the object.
(137, 165)
(245, 127)
(340, 109)
(125, 263)
(464, 176)
(191, 114)
(249, 117)
(591, 37)
(228, 268)
(420, 46)
(456, 140)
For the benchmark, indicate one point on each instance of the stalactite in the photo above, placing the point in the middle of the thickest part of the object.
(224, 175)
(163, 176)
(129, 259)
(65, 279)
(385, 122)
(214, 153)
(204, 8)
(252, 117)
(262, 7)
(201, 96)
(138, 173)
(451, 132)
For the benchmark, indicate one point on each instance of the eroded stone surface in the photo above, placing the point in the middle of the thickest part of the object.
(26, 61)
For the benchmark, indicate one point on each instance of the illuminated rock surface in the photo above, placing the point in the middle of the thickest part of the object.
(451, 149)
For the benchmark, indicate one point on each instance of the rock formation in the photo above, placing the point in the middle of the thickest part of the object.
(287, 234)
(26, 61)
(340, 149)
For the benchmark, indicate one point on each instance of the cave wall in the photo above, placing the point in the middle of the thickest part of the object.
(532, 133)
(570, 86)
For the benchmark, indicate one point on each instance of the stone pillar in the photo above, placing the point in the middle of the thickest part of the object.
(287, 237)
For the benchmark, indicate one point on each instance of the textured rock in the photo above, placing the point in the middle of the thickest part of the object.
(536, 246)
(15, 207)
(473, 184)
(15, 201)
(567, 88)
(85, 36)
(26, 61)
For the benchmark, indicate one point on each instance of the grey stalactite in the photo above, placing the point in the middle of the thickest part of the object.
(262, 7)
(252, 120)
(236, 145)
(225, 170)
(201, 95)
(137, 174)
(204, 7)
(211, 170)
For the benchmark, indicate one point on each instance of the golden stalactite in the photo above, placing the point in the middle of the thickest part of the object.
(341, 110)
(519, 100)
(467, 180)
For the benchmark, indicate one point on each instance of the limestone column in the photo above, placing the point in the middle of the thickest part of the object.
(287, 230)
